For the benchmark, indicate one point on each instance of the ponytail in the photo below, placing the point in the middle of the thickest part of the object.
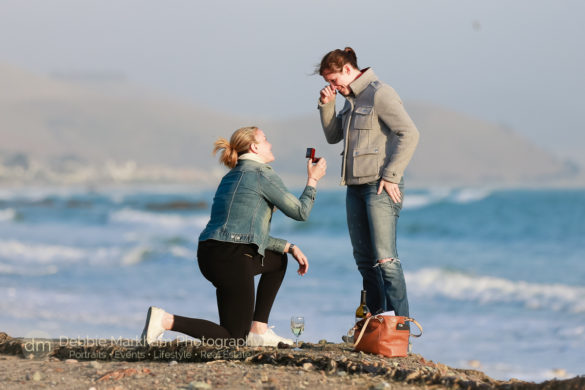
(238, 144)
(229, 157)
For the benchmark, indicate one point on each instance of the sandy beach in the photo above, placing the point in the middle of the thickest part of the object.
(125, 364)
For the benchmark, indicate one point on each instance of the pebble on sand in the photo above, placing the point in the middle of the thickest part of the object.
(36, 376)
(199, 385)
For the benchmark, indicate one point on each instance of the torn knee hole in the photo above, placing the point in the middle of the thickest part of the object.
(389, 260)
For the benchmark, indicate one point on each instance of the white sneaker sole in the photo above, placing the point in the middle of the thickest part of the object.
(153, 329)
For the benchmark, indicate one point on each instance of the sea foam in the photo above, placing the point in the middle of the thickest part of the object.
(7, 215)
(491, 290)
(131, 216)
(39, 253)
(430, 197)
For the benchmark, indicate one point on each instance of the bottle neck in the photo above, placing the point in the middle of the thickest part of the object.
(363, 298)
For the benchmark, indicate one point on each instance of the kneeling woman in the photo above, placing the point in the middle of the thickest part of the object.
(236, 245)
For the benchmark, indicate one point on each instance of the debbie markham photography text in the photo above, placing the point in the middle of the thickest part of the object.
(134, 349)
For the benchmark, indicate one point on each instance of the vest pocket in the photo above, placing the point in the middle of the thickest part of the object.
(365, 162)
(363, 117)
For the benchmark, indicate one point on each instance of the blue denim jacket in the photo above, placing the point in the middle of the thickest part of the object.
(243, 205)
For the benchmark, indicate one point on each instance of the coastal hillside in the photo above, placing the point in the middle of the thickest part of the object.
(71, 129)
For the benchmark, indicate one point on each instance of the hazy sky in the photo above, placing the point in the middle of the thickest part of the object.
(516, 62)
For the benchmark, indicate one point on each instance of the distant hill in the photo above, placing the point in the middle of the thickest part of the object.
(76, 131)
(458, 148)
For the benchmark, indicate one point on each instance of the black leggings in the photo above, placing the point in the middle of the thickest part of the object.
(231, 269)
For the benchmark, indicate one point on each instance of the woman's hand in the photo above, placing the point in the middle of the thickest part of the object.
(392, 189)
(327, 94)
(316, 171)
(301, 259)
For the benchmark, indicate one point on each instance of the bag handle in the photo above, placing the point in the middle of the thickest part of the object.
(369, 318)
(362, 331)
(417, 324)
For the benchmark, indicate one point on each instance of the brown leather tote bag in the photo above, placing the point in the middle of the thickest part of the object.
(384, 335)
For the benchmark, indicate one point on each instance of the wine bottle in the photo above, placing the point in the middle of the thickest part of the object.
(362, 310)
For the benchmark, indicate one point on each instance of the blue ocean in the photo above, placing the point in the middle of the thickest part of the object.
(495, 277)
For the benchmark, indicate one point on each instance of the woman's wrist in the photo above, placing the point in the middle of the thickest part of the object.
(289, 247)
(312, 182)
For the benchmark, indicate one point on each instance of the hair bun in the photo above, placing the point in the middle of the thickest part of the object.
(335, 60)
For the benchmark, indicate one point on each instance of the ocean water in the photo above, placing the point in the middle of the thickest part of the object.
(496, 278)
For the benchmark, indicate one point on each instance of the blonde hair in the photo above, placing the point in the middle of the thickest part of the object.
(238, 144)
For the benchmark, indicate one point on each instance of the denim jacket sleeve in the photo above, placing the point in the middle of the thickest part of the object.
(276, 244)
(274, 190)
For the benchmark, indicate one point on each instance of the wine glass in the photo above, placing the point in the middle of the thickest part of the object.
(297, 326)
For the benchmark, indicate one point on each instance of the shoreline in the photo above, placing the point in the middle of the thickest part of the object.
(103, 363)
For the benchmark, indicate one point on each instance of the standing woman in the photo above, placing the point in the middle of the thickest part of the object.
(236, 245)
(379, 140)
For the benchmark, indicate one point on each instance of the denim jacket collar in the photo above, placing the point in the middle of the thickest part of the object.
(251, 164)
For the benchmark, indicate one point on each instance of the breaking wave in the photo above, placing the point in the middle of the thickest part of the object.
(132, 216)
(7, 215)
(39, 253)
(490, 290)
(418, 199)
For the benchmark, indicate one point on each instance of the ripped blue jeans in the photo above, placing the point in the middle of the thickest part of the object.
(371, 219)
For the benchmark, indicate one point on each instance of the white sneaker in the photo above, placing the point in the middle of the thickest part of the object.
(153, 329)
(268, 339)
